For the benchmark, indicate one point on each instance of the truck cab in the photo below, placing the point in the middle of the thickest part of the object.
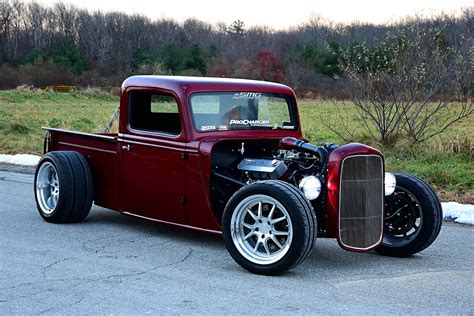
(168, 128)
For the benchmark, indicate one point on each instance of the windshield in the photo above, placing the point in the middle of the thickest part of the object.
(217, 111)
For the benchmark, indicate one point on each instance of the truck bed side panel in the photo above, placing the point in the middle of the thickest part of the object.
(101, 152)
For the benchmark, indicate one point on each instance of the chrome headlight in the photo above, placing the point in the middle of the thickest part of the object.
(311, 187)
(390, 183)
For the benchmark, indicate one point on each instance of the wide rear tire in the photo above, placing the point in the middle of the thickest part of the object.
(413, 217)
(269, 227)
(63, 187)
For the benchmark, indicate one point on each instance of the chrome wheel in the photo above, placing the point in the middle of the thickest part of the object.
(47, 188)
(261, 229)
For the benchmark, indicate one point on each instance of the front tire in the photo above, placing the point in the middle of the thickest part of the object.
(413, 217)
(269, 227)
(63, 187)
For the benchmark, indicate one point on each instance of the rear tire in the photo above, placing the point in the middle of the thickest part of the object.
(269, 227)
(413, 217)
(63, 187)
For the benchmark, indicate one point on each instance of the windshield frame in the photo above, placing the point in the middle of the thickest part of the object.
(289, 98)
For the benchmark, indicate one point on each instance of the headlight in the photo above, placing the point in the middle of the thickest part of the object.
(311, 187)
(390, 183)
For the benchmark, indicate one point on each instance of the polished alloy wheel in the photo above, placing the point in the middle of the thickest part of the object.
(261, 229)
(47, 188)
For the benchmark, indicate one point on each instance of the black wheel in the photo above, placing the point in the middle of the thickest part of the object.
(413, 217)
(63, 187)
(269, 227)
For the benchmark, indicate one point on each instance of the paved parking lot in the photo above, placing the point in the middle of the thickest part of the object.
(115, 264)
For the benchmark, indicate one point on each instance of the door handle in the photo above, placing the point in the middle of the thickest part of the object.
(126, 147)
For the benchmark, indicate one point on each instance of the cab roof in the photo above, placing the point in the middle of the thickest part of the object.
(188, 85)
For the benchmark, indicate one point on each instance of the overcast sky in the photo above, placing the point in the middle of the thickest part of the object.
(276, 13)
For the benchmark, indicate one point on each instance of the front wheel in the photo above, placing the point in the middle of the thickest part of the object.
(269, 227)
(413, 217)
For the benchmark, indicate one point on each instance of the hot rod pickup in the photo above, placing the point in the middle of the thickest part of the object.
(226, 156)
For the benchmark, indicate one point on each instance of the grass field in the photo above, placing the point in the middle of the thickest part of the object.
(22, 114)
(445, 161)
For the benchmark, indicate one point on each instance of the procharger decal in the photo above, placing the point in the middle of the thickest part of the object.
(250, 122)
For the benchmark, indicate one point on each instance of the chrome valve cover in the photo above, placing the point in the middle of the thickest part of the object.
(275, 168)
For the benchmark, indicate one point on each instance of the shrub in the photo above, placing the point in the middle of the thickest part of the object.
(406, 85)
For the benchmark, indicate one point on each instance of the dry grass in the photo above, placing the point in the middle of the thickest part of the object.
(460, 197)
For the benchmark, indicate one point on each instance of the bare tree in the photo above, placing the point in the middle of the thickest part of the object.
(237, 27)
(379, 104)
(36, 19)
(442, 85)
(6, 16)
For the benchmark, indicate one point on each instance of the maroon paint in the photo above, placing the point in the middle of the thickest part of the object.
(166, 178)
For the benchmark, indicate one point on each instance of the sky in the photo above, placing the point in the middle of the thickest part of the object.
(278, 14)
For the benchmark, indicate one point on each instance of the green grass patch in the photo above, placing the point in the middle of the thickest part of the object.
(451, 172)
(22, 114)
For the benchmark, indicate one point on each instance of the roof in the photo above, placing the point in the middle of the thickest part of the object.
(188, 85)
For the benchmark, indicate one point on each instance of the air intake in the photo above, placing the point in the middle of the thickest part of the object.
(361, 202)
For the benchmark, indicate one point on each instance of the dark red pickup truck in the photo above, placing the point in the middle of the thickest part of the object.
(226, 156)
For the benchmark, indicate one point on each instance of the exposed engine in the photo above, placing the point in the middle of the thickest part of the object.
(289, 160)
(237, 163)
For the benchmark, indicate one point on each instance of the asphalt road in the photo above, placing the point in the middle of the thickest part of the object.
(115, 264)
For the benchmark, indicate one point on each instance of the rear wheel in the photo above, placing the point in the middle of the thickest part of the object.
(269, 227)
(63, 187)
(413, 217)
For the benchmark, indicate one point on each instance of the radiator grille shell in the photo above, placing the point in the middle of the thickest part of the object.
(361, 201)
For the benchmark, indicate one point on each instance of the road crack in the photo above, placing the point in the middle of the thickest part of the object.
(119, 278)
(45, 269)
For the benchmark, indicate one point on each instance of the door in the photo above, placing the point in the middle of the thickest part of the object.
(151, 157)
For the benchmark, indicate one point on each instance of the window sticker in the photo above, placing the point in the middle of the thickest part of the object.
(287, 127)
(247, 96)
(223, 127)
(250, 122)
(208, 128)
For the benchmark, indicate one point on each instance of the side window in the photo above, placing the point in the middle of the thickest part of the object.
(154, 112)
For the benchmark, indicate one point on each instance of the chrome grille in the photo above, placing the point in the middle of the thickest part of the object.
(361, 201)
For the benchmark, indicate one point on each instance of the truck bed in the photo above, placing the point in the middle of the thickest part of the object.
(101, 151)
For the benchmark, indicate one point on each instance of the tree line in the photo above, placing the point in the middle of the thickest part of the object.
(64, 44)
